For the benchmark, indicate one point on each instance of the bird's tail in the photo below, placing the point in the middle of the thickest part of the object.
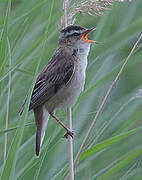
(41, 118)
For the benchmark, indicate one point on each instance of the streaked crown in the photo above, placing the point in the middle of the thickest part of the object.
(71, 34)
(72, 31)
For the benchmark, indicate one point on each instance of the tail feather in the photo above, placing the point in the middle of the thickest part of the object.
(38, 140)
(41, 118)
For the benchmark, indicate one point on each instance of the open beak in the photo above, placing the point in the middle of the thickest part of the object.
(84, 36)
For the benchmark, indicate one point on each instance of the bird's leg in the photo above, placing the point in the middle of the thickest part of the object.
(69, 132)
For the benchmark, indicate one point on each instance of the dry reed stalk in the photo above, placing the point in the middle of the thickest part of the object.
(69, 112)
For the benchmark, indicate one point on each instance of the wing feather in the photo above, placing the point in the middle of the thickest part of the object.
(56, 73)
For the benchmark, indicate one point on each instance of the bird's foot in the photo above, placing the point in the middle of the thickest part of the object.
(68, 133)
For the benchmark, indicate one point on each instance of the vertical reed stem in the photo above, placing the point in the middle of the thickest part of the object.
(7, 105)
(69, 112)
(70, 145)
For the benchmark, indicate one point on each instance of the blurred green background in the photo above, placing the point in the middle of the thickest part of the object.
(29, 32)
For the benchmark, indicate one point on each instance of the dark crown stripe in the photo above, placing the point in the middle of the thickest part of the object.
(71, 28)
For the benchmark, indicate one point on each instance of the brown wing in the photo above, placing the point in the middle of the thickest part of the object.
(56, 73)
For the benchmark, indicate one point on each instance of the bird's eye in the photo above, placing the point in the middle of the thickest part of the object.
(75, 34)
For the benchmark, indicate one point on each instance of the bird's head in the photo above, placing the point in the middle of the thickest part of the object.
(75, 34)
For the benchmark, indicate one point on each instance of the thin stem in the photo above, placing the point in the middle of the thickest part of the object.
(8, 99)
(113, 118)
(69, 112)
(70, 144)
(65, 7)
(104, 102)
(14, 128)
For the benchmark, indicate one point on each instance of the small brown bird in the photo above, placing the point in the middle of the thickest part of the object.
(61, 81)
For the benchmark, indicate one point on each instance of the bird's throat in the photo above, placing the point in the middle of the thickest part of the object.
(81, 50)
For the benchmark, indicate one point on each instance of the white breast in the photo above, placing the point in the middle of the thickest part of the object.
(82, 53)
